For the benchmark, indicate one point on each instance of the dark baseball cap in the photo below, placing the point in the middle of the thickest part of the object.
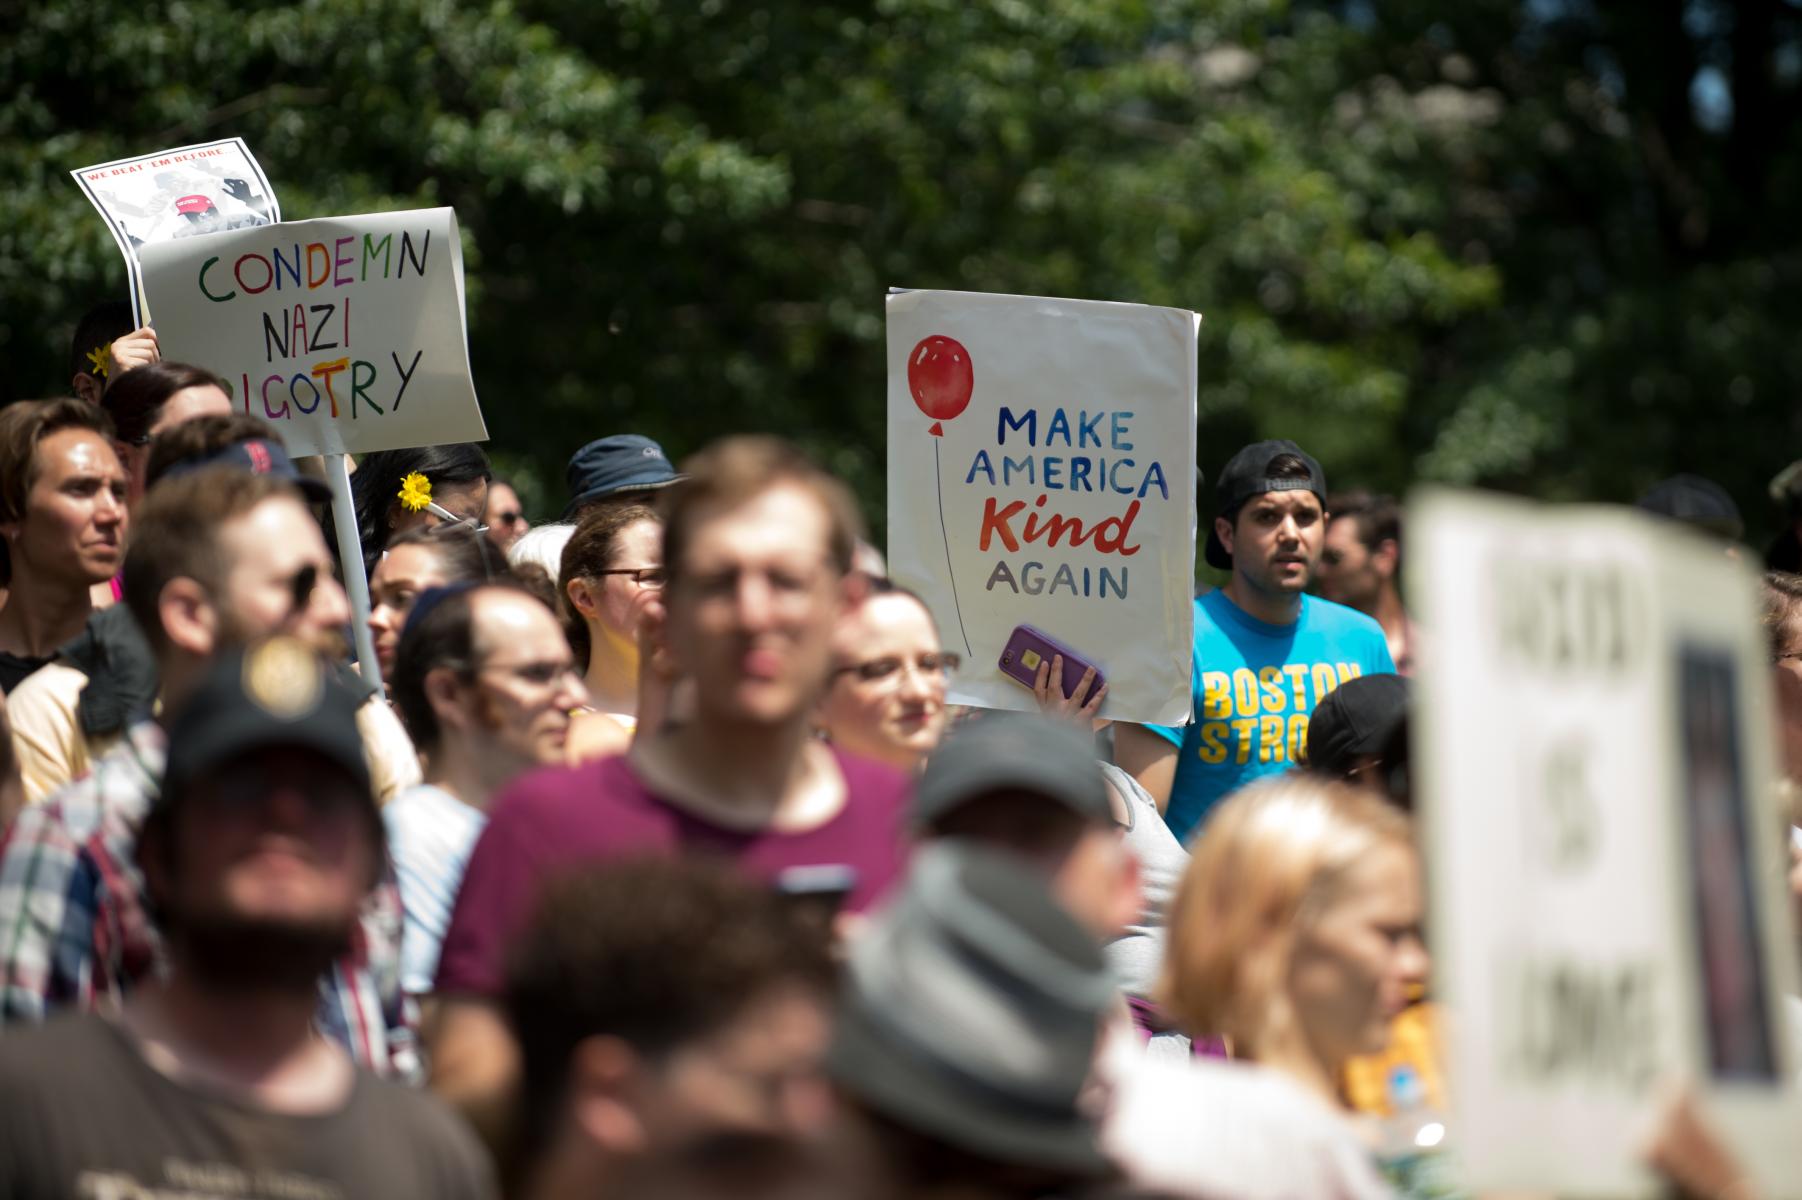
(259, 456)
(1247, 474)
(1358, 717)
(277, 692)
(1697, 502)
(608, 466)
(971, 1011)
(1012, 752)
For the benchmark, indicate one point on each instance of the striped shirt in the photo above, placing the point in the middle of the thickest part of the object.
(75, 932)
(430, 835)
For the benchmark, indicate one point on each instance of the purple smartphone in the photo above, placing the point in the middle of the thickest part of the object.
(1028, 647)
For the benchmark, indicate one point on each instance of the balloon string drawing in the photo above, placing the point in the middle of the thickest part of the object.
(940, 377)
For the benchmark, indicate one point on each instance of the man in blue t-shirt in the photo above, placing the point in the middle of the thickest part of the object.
(1266, 652)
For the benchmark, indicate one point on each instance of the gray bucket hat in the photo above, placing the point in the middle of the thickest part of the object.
(972, 1010)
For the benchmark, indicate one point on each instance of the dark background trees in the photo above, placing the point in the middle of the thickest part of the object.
(1546, 245)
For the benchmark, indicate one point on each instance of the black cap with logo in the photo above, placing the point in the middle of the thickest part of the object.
(1247, 474)
(279, 692)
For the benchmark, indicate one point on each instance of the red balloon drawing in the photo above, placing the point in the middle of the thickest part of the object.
(941, 378)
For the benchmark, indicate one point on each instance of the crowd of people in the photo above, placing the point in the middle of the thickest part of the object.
(648, 858)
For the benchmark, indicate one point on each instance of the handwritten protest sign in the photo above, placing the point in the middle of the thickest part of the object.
(180, 193)
(1041, 468)
(346, 333)
(1595, 769)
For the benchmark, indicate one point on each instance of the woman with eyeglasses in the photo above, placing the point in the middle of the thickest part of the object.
(885, 699)
(611, 573)
(421, 558)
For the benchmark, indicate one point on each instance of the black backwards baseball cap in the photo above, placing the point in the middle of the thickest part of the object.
(1700, 503)
(259, 456)
(608, 466)
(275, 693)
(1247, 474)
(1358, 717)
(971, 1011)
(1012, 752)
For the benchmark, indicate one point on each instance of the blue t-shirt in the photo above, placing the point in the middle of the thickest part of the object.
(1255, 686)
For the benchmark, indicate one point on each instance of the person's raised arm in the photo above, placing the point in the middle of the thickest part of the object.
(1149, 757)
(139, 348)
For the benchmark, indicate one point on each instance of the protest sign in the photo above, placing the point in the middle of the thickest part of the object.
(346, 334)
(1041, 468)
(1594, 765)
(181, 193)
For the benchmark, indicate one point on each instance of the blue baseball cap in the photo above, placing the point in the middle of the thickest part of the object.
(259, 456)
(625, 462)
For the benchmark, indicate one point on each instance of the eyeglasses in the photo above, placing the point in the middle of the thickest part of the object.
(876, 669)
(653, 577)
(538, 674)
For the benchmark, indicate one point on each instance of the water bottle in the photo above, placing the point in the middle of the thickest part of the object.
(1411, 1140)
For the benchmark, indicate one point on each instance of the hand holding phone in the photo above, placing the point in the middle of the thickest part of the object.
(1066, 684)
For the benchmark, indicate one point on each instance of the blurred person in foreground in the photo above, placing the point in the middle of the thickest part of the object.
(967, 1030)
(485, 683)
(430, 556)
(610, 575)
(1359, 736)
(220, 556)
(1030, 787)
(741, 1165)
(885, 699)
(63, 524)
(1265, 651)
(257, 855)
(1361, 567)
(623, 468)
(757, 554)
(658, 1000)
(504, 515)
(1296, 934)
(77, 708)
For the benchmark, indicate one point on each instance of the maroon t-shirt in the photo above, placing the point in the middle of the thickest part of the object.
(560, 817)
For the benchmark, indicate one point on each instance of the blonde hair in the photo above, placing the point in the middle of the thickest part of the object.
(1270, 859)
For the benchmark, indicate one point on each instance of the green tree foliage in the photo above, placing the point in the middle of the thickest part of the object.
(1539, 245)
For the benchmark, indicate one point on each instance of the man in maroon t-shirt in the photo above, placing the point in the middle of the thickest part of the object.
(758, 546)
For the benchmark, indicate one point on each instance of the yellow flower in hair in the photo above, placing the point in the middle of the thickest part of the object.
(415, 492)
(97, 358)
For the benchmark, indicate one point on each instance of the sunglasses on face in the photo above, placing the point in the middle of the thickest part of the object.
(301, 586)
(643, 576)
(875, 669)
(508, 518)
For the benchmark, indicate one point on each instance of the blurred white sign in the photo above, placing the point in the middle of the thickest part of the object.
(1594, 766)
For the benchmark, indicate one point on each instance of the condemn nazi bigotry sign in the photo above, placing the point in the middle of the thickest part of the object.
(347, 334)
(1041, 472)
